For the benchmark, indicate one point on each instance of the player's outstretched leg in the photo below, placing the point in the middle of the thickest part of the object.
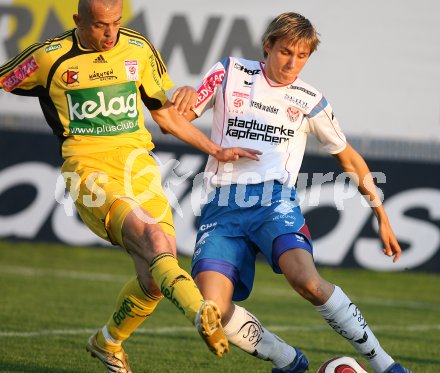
(346, 319)
(179, 287)
(133, 306)
(246, 332)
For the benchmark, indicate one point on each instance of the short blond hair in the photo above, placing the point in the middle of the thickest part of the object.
(293, 27)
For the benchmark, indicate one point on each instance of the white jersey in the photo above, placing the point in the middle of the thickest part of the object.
(250, 111)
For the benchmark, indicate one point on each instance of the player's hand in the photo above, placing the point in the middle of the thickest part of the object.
(184, 98)
(390, 245)
(233, 154)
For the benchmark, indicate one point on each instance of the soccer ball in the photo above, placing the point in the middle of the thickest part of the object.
(341, 364)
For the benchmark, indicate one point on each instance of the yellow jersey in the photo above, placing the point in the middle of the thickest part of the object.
(92, 100)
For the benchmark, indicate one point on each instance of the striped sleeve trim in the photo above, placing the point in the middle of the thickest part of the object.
(26, 53)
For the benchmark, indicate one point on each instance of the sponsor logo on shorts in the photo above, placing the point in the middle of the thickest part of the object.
(202, 239)
(300, 238)
(197, 253)
(207, 226)
(288, 216)
(284, 208)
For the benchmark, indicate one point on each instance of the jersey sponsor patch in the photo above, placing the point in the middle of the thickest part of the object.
(258, 131)
(53, 47)
(297, 102)
(206, 90)
(292, 113)
(238, 102)
(136, 42)
(240, 94)
(245, 69)
(264, 107)
(21, 72)
(132, 69)
(103, 111)
(70, 77)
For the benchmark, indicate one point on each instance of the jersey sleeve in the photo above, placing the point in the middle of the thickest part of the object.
(26, 74)
(155, 81)
(325, 127)
(211, 83)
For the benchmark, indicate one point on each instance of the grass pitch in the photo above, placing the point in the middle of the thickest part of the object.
(53, 297)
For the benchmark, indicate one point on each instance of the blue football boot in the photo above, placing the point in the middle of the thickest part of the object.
(397, 368)
(299, 365)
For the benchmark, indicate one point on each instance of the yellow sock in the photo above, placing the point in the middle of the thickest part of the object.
(176, 285)
(133, 306)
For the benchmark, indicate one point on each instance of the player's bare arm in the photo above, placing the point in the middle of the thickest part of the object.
(354, 164)
(170, 121)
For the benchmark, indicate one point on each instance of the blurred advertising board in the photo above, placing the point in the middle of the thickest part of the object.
(34, 206)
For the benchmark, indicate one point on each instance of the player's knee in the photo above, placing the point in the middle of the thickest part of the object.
(313, 289)
(145, 240)
(158, 241)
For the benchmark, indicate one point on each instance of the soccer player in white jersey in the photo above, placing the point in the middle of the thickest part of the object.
(252, 207)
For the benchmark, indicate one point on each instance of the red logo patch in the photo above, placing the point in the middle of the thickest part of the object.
(206, 90)
(240, 94)
(70, 77)
(238, 102)
(27, 68)
(292, 113)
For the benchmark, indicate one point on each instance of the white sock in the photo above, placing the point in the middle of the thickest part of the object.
(109, 339)
(346, 319)
(246, 332)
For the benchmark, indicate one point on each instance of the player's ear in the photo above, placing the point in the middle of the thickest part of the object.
(77, 20)
(267, 47)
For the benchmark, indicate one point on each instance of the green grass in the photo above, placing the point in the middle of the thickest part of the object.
(52, 297)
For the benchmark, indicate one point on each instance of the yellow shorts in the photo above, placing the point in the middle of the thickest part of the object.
(106, 187)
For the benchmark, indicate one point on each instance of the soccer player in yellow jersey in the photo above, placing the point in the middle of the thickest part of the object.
(91, 82)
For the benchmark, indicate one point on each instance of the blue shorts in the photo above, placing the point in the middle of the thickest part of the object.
(241, 221)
